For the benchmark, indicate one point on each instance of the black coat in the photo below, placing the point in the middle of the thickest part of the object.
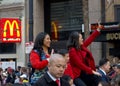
(103, 78)
(47, 81)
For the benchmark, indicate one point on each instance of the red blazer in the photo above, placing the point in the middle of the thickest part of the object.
(36, 62)
(82, 60)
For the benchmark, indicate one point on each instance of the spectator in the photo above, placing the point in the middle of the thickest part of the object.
(112, 72)
(17, 79)
(81, 58)
(1, 70)
(56, 67)
(40, 53)
(24, 78)
(10, 76)
(18, 69)
(4, 77)
(116, 80)
(24, 71)
(104, 68)
(68, 70)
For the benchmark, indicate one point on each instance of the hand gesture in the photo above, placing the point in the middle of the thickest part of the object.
(96, 73)
(52, 51)
(100, 27)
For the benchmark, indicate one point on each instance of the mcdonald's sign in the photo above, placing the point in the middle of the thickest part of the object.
(54, 30)
(10, 30)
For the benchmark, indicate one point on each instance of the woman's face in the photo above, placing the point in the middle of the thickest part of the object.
(47, 41)
(80, 39)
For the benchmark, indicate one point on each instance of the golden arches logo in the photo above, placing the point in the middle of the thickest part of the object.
(55, 29)
(11, 27)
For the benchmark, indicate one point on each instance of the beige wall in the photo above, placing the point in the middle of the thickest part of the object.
(94, 10)
(15, 9)
(38, 17)
(110, 10)
(94, 16)
(7, 2)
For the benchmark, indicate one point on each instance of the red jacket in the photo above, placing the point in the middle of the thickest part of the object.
(36, 62)
(82, 60)
(68, 71)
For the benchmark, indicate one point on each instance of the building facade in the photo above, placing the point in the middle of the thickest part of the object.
(60, 17)
(14, 52)
(112, 15)
(65, 16)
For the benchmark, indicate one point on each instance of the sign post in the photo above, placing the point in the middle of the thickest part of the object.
(28, 47)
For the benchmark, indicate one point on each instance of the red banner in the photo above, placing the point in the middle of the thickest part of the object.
(106, 26)
(10, 30)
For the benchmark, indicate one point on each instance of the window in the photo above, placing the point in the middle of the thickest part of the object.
(117, 13)
(66, 16)
(7, 48)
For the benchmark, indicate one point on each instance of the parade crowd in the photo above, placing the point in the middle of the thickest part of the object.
(73, 66)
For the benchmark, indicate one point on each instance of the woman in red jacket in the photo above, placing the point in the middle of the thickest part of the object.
(40, 53)
(81, 59)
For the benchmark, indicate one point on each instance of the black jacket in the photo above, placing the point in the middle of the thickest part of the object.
(47, 81)
(103, 78)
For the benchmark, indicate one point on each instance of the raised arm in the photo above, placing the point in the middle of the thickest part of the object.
(92, 37)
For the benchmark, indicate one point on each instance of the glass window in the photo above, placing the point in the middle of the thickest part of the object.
(7, 48)
(66, 16)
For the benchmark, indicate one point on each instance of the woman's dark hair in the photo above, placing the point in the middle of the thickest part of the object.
(62, 52)
(39, 42)
(73, 40)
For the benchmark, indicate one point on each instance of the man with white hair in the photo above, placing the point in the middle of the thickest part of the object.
(53, 77)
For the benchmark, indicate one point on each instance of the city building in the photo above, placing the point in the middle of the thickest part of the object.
(59, 18)
(12, 53)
